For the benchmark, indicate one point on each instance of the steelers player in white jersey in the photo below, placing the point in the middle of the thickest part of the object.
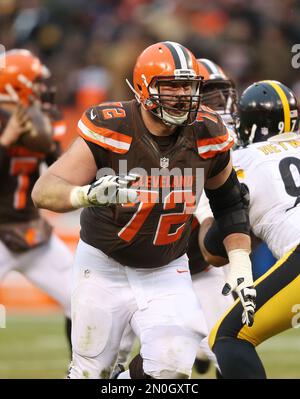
(269, 166)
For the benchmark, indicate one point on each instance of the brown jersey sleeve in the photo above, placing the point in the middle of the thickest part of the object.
(106, 126)
(99, 153)
(211, 134)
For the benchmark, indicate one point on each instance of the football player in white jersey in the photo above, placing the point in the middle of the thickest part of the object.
(269, 166)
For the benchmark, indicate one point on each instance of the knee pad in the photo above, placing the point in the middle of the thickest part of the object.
(91, 326)
(170, 357)
(87, 368)
(160, 371)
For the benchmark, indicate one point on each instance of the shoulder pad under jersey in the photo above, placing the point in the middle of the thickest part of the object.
(107, 125)
(212, 135)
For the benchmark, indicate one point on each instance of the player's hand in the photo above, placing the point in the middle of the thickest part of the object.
(18, 123)
(105, 191)
(240, 280)
(112, 190)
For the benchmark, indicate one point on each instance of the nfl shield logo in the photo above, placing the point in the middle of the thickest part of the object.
(164, 162)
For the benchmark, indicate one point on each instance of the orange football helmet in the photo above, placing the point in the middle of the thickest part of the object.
(218, 91)
(22, 69)
(171, 63)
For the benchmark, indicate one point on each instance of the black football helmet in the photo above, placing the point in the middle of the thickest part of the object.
(265, 109)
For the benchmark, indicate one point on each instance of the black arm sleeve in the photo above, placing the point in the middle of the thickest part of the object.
(229, 204)
(213, 241)
(220, 162)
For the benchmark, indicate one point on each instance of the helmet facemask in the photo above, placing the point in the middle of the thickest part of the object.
(167, 83)
(221, 96)
(174, 109)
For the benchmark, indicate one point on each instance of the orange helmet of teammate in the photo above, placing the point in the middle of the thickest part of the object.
(172, 64)
(21, 70)
(218, 91)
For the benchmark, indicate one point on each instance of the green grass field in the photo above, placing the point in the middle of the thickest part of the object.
(35, 347)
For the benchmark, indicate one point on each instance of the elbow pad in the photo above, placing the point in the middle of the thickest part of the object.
(229, 204)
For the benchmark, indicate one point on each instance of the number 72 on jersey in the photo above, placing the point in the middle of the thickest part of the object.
(163, 234)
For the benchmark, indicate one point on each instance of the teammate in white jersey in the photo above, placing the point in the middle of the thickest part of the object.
(269, 165)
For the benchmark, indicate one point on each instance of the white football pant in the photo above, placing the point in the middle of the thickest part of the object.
(160, 305)
(208, 286)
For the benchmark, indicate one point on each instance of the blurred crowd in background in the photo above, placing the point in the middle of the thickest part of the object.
(91, 45)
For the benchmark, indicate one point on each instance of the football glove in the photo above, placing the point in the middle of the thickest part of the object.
(240, 280)
(105, 191)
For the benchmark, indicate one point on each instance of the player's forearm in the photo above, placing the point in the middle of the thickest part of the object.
(237, 241)
(214, 249)
(53, 193)
(211, 244)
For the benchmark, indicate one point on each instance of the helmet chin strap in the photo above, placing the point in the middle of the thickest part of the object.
(137, 96)
(252, 133)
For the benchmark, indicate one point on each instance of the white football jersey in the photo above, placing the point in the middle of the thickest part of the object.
(271, 170)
